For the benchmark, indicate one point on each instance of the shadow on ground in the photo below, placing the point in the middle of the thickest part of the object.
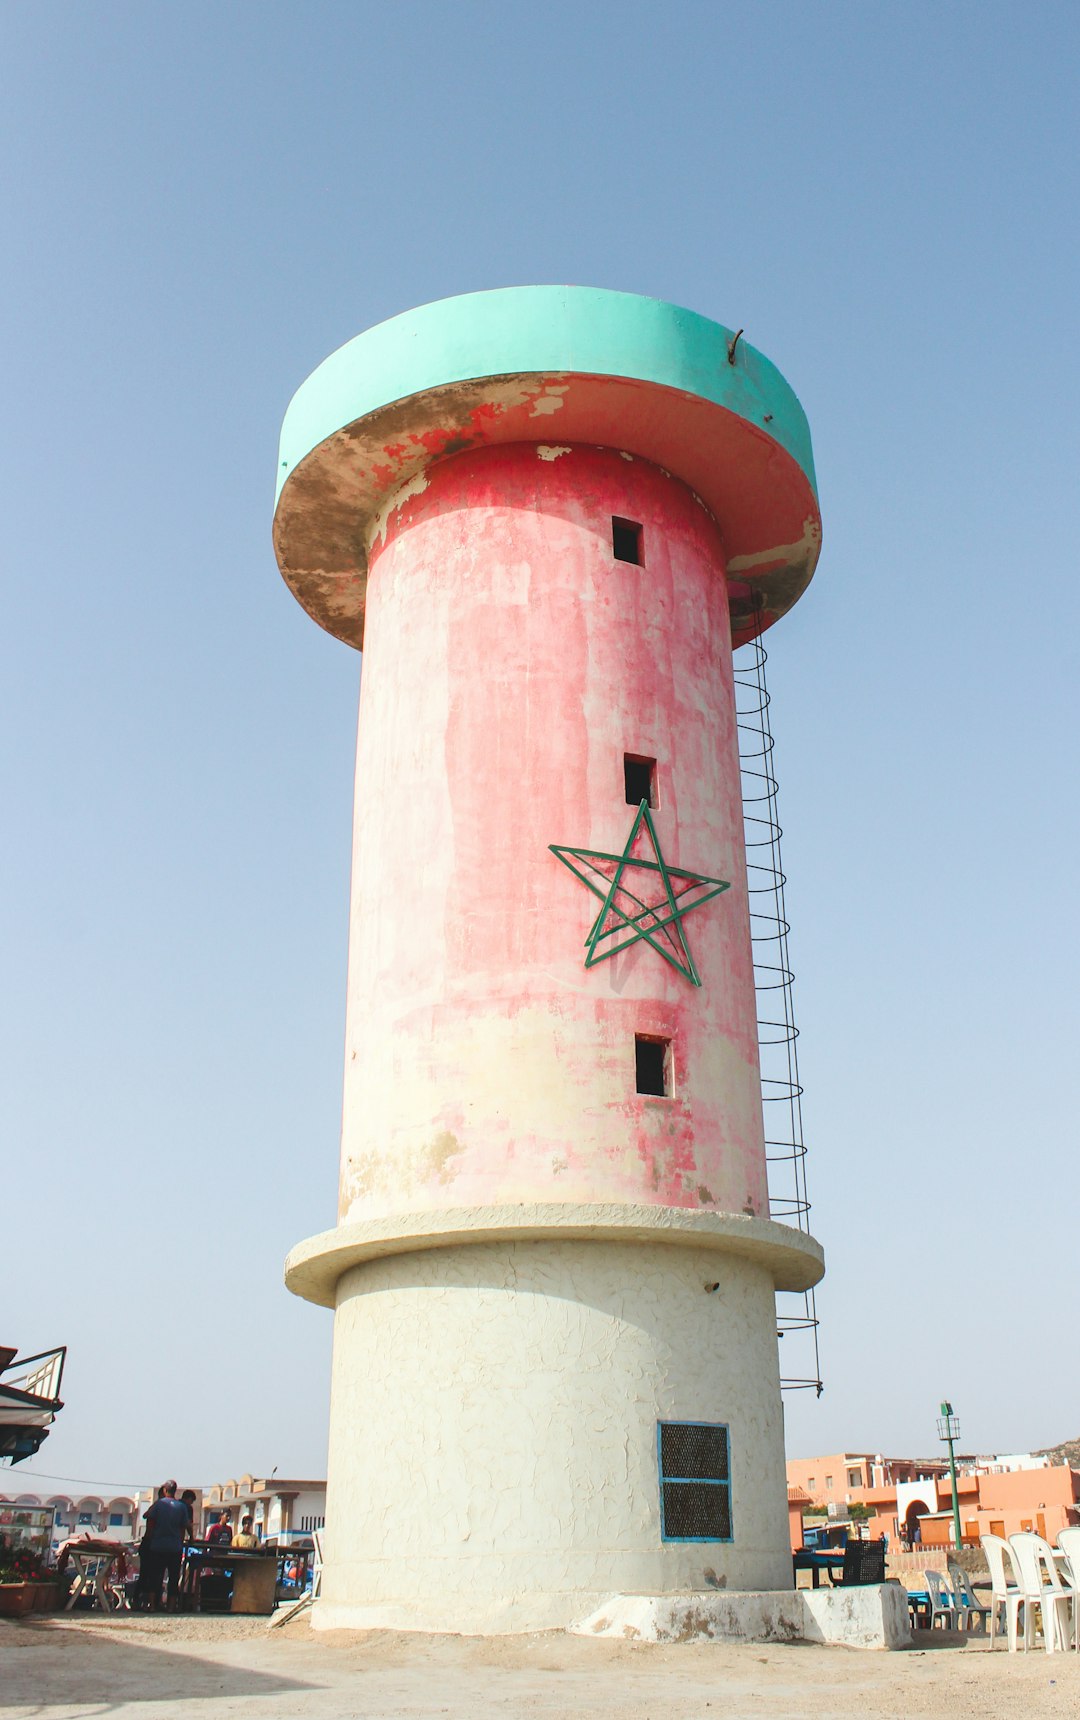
(45, 1665)
(929, 1641)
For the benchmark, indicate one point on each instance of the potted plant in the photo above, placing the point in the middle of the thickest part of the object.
(23, 1579)
(53, 1587)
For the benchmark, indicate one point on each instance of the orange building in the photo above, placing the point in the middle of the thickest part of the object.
(909, 1497)
(1046, 1500)
(797, 1501)
(832, 1480)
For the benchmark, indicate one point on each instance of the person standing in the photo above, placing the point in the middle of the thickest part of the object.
(247, 1538)
(163, 1546)
(187, 1498)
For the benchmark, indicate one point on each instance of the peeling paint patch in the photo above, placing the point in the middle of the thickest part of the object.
(623, 455)
(551, 450)
(361, 1174)
(783, 554)
(414, 486)
(549, 401)
(437, 1158)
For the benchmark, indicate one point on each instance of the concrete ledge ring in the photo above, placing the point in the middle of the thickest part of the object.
(793, 1259)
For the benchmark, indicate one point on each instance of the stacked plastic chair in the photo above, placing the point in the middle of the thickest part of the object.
(1042, 1586)
(1003, 1591)
(972, 1615)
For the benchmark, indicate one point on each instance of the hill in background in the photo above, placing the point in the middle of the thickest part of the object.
(1067, 1452)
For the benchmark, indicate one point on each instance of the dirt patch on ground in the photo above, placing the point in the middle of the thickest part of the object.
(209, 1668)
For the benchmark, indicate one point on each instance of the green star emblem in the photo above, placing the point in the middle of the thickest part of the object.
(625, 917)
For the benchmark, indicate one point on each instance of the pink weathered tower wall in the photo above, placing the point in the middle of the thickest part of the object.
(510, 663)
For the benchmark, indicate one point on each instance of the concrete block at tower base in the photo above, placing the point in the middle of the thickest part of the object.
(866, 1615)
(874, 1615)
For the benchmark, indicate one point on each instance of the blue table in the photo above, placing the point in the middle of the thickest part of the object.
(832, 1560)
(918, 1601)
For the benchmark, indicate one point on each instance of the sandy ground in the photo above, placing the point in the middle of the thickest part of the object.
(206, 1669)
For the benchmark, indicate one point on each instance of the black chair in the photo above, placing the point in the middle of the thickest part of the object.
(864, 1562)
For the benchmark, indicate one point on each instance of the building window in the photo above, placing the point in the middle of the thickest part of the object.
(828, 1483)
(652, 1063)
(84, 1519)
(695, 1481)
(854, 1478)
(626, 540)
(811, 1484)
(115, 1519)
(639, 780)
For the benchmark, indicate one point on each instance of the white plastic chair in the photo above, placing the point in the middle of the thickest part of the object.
(1069, 1542)
(972, 1614)
(942, 1604)
(316, 1564)
(1003, 1592)
(1041, 1585)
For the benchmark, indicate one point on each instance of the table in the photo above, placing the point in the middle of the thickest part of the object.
(831, 1560)
(918, 1601)
(248, 1578)
(93, 1571)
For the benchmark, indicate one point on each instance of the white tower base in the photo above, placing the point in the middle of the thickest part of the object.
(495, 1411)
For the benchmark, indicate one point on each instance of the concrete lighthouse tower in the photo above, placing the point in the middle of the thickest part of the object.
(541, 513)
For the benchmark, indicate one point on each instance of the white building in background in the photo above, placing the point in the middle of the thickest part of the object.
(101, 1513)
(1010, 1462)
(285, 1511)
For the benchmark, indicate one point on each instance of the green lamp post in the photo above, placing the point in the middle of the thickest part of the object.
(949, 1430)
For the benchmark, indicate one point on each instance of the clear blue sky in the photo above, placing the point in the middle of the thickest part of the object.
(201, 202)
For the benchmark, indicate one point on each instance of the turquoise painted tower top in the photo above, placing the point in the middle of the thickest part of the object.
(548, 365)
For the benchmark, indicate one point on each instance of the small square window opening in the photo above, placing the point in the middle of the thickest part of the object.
(652, 1059)
(626, 540)
(639, 776)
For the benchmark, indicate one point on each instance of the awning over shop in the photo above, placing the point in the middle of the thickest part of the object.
(29, 1400)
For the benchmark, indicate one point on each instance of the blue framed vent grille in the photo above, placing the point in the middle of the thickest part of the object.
(695, 1480)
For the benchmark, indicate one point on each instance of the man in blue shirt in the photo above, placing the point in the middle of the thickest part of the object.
(168, 1524)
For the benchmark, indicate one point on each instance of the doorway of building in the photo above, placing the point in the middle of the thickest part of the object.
(912, 1532)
